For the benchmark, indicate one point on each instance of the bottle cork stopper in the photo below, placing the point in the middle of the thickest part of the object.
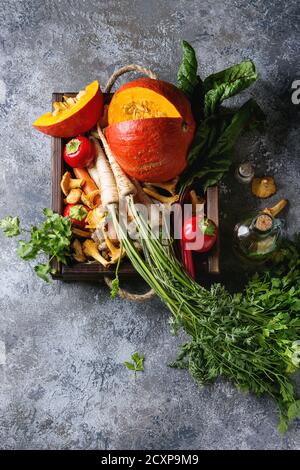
(263, 222)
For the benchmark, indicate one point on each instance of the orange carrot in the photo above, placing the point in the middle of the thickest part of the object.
(89, 184)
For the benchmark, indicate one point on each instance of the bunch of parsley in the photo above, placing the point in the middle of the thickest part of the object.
(51, 238)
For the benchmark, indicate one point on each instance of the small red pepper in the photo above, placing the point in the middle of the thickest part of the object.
(77, 213)
(200, 233)
(187, 259)
(79, 152)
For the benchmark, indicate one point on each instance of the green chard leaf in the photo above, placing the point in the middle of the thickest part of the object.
(42, 270)
(211, 152)
(10, 226)
(222, 85)
(187, 78)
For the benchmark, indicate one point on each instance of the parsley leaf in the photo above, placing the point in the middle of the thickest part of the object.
(10, 226)
(42, 271)
(138, 363)
(51, 238)
(115, 283)
(114, 287)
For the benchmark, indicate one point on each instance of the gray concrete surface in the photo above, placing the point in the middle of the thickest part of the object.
(62, 347)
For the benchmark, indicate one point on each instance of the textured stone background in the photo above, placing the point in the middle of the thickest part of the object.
(62, 346)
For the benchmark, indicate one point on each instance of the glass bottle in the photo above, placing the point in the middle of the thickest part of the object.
(257, 237)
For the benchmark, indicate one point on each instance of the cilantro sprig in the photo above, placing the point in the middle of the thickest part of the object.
(51, 238)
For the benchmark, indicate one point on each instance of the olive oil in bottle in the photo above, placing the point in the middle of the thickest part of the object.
(257, 237)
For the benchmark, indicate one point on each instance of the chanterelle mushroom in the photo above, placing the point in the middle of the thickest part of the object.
(114, 252)
(95, 218)
(169, 186)
(74, 196)
(81, 233)
(273, 211)
(78, 254)
(89, 199)
(159, 197)
(91, 251)
(67, 183)
(263, 187)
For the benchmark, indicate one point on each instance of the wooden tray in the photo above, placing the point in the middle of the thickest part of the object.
(95, 271)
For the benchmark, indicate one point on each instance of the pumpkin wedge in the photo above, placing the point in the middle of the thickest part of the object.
(150, 129)
(73, 116)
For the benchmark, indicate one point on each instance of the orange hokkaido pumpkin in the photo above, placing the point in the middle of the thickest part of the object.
(73, 116)
(150, 129)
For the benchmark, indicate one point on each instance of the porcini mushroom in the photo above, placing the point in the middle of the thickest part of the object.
(91, 251)
(74, 196)
(67, 183)
(159, 197)
(263, 187)
(78, 254)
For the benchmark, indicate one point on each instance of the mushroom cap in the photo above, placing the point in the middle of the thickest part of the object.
(264, 187)
(65, 183)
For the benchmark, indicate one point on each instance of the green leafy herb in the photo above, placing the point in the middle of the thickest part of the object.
(250, 337)
(115, 283)
(42, 271)
(78, 212)
(138, 363)
(187, 74)
(211, 152)
(222, 85)
(218, 128)
(10, 226)
(52, 238)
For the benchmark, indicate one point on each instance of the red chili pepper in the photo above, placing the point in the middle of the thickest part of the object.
(201, 233)
(77, 213)
(79, 152)
(187, 259)
(186, 255)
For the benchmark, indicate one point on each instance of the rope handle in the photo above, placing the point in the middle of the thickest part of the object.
(125, 69)
(124, 294)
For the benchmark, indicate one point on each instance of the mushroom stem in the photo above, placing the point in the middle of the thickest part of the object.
(163, 199)
(91, 251)
(169, 186)
(273, 211)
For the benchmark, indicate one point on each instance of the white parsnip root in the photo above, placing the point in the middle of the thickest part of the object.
(124, 184)
(106, 179)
